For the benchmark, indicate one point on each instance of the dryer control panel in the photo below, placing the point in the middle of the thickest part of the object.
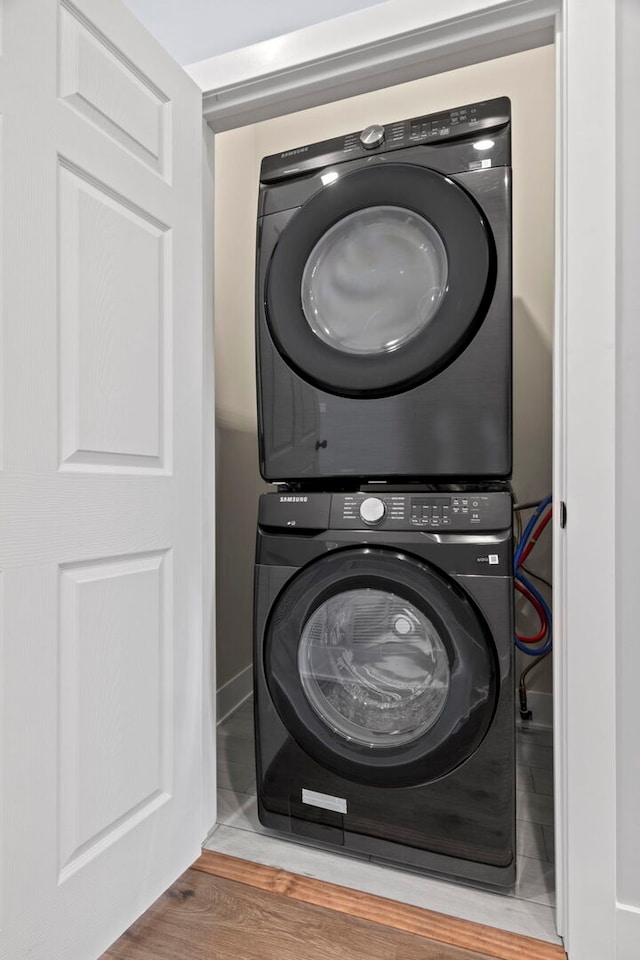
(470, 120)
(390, 510)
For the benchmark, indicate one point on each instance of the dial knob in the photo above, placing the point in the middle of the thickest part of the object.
(372, 510)
(372, 136)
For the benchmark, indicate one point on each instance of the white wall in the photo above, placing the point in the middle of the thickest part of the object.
(238, 155)
(193, 30)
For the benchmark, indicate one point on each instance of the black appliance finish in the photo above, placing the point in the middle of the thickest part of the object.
(383, 314)
(384, 676)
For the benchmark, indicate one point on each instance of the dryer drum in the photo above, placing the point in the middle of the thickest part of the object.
(378, 282)
(380, 667)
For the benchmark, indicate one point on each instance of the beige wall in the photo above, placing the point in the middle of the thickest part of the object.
(238, 482)
(528, 79)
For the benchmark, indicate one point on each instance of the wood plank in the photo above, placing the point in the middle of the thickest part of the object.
(205, 917)
(494, 943)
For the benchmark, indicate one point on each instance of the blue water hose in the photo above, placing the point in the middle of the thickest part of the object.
(528, 530)
(538, 651)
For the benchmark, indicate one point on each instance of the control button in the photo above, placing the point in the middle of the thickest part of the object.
(372, 510)
(372, 136)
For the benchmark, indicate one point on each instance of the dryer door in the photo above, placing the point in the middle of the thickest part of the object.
(380, 280)
(380, 667)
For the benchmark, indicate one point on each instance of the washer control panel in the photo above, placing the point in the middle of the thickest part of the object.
(421, 511)
(386, 511)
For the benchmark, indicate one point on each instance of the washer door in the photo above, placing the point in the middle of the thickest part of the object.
(380, 667)
(380, 280)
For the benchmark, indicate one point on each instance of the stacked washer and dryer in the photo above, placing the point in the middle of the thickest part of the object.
(383, 660)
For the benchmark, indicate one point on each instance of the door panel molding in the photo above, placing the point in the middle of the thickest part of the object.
(106, 88)
(115, 328)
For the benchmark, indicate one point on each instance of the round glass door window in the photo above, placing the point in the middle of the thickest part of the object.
(373, 667)
(374, 280)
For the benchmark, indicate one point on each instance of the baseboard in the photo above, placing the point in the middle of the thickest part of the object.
(234, 692)
(541, 706)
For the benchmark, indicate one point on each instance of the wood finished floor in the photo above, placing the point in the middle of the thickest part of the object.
(268, 914)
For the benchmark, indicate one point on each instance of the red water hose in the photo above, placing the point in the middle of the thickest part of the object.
(539, 610)
(534, 536)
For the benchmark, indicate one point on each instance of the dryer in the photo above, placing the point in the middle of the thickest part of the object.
(383, 313)
(384, 676)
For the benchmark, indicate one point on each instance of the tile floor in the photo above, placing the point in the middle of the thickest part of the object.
(529, 910)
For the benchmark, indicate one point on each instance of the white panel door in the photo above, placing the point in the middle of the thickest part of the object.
(100, 475)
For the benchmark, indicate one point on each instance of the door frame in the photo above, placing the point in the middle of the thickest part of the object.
(405, 39)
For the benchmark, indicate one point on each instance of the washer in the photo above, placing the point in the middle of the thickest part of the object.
(383, 312)
(384, 676)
